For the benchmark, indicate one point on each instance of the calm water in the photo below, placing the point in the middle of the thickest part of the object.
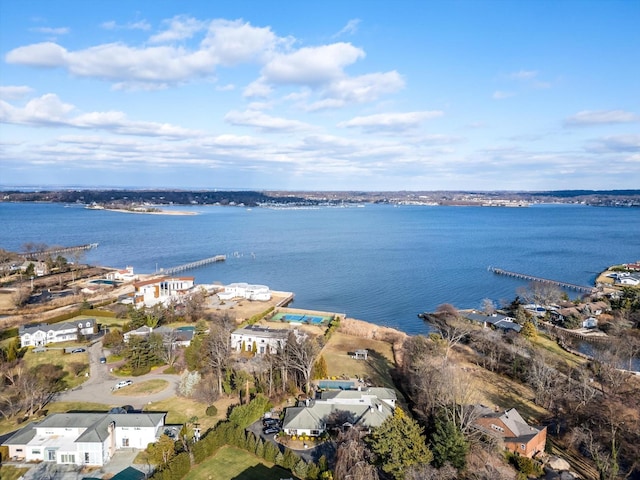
(380, 263)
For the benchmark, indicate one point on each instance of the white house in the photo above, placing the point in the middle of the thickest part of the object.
(265, 339)
(42, 334)
(177, 337)
(124, 275)
(244, 290)
(84, 438)
(161, 290)
(338, 408)
(626, 279)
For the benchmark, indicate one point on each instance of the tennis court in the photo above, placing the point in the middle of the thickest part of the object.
(301, 318)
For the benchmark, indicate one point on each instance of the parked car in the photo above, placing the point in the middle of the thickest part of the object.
(78, 350)
(270, 430)
(270, 422)
(122, 384)
(103, 359)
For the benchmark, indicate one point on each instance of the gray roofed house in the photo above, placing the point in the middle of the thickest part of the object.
(509, 426)
(84, 438)
(43, 334)
(339, 408)
(499, 321)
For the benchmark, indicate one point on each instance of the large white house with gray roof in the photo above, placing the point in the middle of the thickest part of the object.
(265, 339)
(367, 408)
(84, 438)
(42, 334)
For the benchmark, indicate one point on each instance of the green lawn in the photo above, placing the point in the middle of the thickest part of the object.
(551, 346)
(234, 464)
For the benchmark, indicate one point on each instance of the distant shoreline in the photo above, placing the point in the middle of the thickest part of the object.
(158, 212)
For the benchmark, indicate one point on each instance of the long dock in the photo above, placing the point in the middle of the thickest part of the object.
(523, 276)
(189, 266)
(58, 251)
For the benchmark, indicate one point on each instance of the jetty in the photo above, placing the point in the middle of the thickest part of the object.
(531, 278)
(196, 264)
(59, 251)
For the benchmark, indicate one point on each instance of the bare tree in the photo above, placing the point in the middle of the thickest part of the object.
(301, 352)
(488, 306)
(451, 326)
(540, 293)
(353, 458)
(427, 472)
(216, 350)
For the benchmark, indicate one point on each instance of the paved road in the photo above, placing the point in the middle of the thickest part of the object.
(98, 387)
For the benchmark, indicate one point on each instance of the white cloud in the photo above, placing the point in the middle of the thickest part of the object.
(225, 88)
(616, 144)
(14, 92)
(46, 54)
(257, 89)
(391, 121)
(50, 110)
(601, 117)
(264, 122)
(350, 28)
(311, 65)
(179, 27)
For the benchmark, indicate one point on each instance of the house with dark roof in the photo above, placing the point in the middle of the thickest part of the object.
(339, 408)
(84, 438)
(43, 334)
(515, 433)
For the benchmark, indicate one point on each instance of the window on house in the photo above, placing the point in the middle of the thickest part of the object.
(67, 458)
(523, 446)
(35, 452)
(86, 457)
(125, 442)
(497, 428)
(51, 455)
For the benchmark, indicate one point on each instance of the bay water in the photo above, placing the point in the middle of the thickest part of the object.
(380, 263)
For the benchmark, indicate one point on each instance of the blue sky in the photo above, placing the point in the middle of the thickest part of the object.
(321, 95)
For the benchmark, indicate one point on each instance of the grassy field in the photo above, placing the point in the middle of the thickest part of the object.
(143, 388)
(234, 464)
(182, 409)
(58, 357)
(376, 368)
(8, 472)
(544, 342)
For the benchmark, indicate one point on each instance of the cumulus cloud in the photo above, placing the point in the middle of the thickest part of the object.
(234, 42)
(311, 65)
(601, 117)
(391, 121)
(50, 110)
(179, 27)
(14, 92)
(264, 122)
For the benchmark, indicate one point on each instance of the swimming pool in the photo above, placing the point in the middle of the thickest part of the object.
(336, 385)
(101, 281)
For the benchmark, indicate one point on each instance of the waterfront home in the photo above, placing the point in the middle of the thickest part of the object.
(84, 438)
(244, 290)
(497, 320)
(43, 334)
(178, 337)
(512, 430)
(258, 339)
(339, 409)
(124, 275)
(162, 290)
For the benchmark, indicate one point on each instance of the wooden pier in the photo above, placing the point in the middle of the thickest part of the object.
(531, 278)
(189, 266)
(59, 251)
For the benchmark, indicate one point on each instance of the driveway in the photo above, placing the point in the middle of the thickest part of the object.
(98, 388)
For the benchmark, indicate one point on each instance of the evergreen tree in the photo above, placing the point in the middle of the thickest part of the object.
(270, 452)
(448, 444)
(400, 443)
(320, 369)
(529, 330)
